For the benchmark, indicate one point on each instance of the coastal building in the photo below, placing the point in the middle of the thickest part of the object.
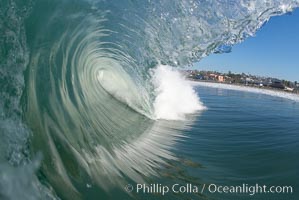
(277, 84)
(243, 79)
(199, 77)
(212, 77)
(221, 78)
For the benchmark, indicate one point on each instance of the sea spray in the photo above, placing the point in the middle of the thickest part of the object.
(175, 96)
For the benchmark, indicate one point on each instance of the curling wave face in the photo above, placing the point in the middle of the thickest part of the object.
(99, 94)
(91, 112)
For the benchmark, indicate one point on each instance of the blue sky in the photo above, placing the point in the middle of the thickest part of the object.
(274, 51)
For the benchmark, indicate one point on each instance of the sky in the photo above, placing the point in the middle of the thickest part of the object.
(273, 52)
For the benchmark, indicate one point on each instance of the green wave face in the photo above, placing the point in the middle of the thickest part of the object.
(97, 76)
(90, 105)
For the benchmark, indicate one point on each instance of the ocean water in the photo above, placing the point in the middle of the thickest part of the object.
(244, 137)
(241, 138)
(91, 99)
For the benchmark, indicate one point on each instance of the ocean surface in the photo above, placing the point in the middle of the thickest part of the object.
(244, 137)
(91, 100)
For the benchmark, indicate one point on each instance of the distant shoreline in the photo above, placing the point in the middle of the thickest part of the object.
(264, 90)
(246, 86)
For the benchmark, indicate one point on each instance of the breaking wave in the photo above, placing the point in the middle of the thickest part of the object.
(88, 84)
(175, 96)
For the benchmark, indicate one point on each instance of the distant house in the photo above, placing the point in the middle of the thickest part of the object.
(221, 78)
(198, 76)
(249, 80)
(213, 76)
(277, 84)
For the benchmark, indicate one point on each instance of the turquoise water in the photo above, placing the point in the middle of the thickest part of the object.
(90, 99)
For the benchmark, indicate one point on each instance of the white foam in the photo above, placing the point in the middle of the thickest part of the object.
(290, 96)
(175, 96)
